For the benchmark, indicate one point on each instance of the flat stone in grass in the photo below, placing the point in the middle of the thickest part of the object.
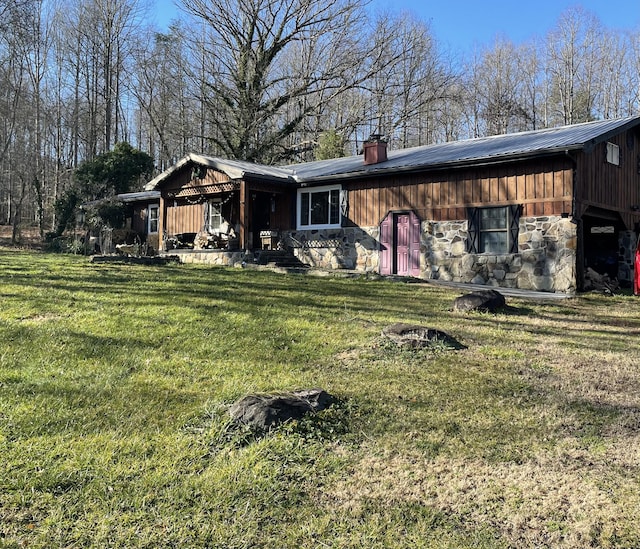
(419, 337)
(488, 301)
(266, 411)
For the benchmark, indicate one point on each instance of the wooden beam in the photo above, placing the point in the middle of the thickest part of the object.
(162, 212)
(244, 215)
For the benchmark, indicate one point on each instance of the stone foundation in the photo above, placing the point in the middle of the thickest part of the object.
(354, 248)
(546, 259)
(212, 257)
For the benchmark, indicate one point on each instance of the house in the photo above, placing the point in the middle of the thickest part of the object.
(141, 214)
(531, 210)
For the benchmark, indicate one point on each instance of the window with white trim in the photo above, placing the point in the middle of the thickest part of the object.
(319, 208)
(214, 216)
(152, 218)
(613, 154)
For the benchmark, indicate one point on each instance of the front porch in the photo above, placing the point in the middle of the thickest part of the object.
(239, 258)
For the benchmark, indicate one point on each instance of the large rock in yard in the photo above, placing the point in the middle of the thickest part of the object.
(266, 411)
(418, 337)
(480, 300)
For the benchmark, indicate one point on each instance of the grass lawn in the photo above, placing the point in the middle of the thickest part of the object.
(115, 382)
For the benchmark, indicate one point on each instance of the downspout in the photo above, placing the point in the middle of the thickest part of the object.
(577, 221)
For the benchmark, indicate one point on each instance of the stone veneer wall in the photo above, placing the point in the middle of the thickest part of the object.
(211, 257)
(354, 248)
(546, 260)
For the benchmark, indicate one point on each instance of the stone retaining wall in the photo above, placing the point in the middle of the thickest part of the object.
(212, 257)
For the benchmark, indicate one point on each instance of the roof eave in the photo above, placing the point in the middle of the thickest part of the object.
(632, 123)
(234, 173)
(488, 161)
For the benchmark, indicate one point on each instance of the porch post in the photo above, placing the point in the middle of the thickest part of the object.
(243, 215)
(161, 224)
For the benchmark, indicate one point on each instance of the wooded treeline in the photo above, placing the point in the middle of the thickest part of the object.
(273, 81)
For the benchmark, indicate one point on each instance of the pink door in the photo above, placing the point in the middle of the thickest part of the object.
(402, 244)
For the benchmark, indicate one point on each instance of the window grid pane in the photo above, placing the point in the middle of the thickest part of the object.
(493, 234)
(304, 209)
(493, 219)
(493, 242)
(215, 216)
(334, 214)
(320, 208)
(153, 219)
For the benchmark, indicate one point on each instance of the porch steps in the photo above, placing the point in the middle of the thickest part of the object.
(279, 259)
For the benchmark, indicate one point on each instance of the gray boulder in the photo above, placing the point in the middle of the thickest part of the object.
(419, 337)
(266, 411)
(480, 300)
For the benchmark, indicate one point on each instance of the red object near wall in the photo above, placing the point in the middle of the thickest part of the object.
(636, 271)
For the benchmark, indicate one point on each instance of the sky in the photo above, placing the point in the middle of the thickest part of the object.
(464, 25)
(467, 24)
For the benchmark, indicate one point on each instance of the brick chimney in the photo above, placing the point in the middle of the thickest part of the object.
(375, 150)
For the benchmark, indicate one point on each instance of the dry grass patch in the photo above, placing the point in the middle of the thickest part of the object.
(558, 499)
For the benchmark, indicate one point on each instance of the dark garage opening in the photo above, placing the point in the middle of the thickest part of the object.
(601, 243)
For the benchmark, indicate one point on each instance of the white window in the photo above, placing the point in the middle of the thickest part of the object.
(613, 154)
(152, 218)
(319, 208)
(214, 216)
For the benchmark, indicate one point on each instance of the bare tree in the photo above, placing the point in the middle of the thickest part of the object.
(257, 100)
(496, 89)
(531, 75)
(615, 80)
(572, 63)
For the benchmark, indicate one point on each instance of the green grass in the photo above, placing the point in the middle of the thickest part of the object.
(115, 382)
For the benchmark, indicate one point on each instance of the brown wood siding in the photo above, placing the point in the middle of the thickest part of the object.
(139, 219)
(281, 218)
(183, 217)
(543, 187)
(611, 187)
(184, 183)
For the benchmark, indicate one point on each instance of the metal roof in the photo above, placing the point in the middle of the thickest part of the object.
(482, 150)
(235, 169)
(471, 151)
(138, 196)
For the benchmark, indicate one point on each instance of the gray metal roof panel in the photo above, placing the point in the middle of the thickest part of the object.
(138, 196)
(469, 151)
(484, 149)
(235, 169)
